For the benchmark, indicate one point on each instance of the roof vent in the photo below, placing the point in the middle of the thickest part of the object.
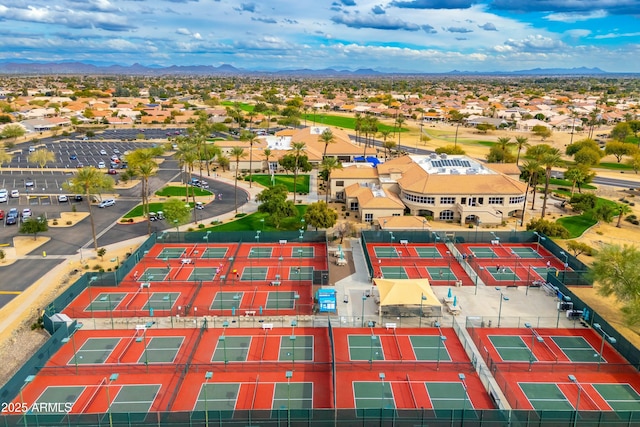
(433, 156)
(443, 156)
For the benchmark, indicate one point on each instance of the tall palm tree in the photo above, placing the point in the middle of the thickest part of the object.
(297, 148)
(143, 165)
(399, 121)
(521, 142)
(328, 165)
(549, 161)
(532, 167)
(358, 125)
(384, 133)
(237, 153)
(267, 155)
(187, 156)
(327, 138)
(90, 181)
(251, 138)
(621, 209)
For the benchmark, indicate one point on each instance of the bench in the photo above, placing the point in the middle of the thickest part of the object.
(495, 242)
(250, 313)
(267, 326)
(390, 326)
(186, 260)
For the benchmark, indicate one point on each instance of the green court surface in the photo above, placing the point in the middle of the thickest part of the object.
(365, 347)
(155, 274)
(171, 253)
(159, 349)
(428, 252)
(483, 252)
(217, 397)
(94, 350)
(215, 253)
(542, 271)
(261, 252)
(546, 397)
(385, 252)
(302, 252)
(161, 300)
(429, 347)
(296, 347)
(226, 300)
(503, 274)
(526, 252)
(301, 273)
(231, 349)
(373, 394)
(294, 395)
(254, 273)
(441, 273)
(577, 349)
(277, 300)
(134, 398)
(65, 397)
(107, 301)
(448, 395)
(512, 348)
(394, 273)
(202, 273)
(620, 397)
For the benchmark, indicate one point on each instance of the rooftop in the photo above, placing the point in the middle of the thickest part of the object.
(444, 164)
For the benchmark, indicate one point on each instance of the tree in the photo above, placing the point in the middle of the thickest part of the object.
(450, 149)
(542, 131)
(319, 215)
(12, 132)
(328, 165)
(5, 157)
(579, 175)
(384, 133)
(251, 138)
(484, 127)
(548, 228)
(621, 131)
(579, 248)
(89, 181)
(176, 211)
(296, 161)
(143, 165)
(531, 171)
(549, 161)
(498, 154)
(616, 271)
(273, 201)
(634, 162)
(267, 155)
(521, 142)
(327, 138)
(602, 212)
(41, 157)
(237, 153)
(583, 202)
(620, 210)
(34, 226)
(619, 149)
(588, 157)
(344, 229)
(457, 117)
(399, 121)
(101, 253)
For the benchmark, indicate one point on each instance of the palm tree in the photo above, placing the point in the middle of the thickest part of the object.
(237, 153)
(327, 138)
(251, 138)
(90, 181)
(621, 209)
(532, 167)
(384, 133)
(521, 142)
(297, 148)
(399, 121)
(549, 161)
(143, 165)
(267, 155)
(456, 117)
(329, 164)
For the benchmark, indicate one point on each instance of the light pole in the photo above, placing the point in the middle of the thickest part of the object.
(292, 338)
(424, 222)
(175, 223)
(207, 376)
(223, 340)
(93, 279)
(299, 266)
(262, 223)
(373, 339)
(566, 260)
(391, 238)
(288, 375)
(534, 336)
(251, 265)
(112, 379)
(502, 298)
(73, 342)
(609, 338)
(436, 238)
(574, 380)
(110, 310)
(464, 391)
(441, 342)
(381, 376)
(449, 256)
(364, 298)
(538, 242)
(25, 412)
(258, 242)
(423, 298)
(478, 222)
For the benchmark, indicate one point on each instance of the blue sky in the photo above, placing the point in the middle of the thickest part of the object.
(397, 35)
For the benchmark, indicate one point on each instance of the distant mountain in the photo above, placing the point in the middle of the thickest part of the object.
(26, 67)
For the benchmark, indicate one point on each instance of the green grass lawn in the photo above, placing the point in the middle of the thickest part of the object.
(576, 224)
(153, 207)
(286, 180)
(615, 166)
(244, 107)
(341, 121)
(253, 222)
(175, 191)
(565, 183)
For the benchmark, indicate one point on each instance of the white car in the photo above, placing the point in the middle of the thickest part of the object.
(101, 165)
(106, 203)
(115, 157)
(103, 152)
(3, 195)
(116, 151)
(26, 213)
(15, 194)
(62, 198)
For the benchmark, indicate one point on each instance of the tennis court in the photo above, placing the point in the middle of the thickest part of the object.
(254, 273)
(231, 349)
(261, 252)
(546, 397)
(441, 273)
(94, 350)
(296, 347)
(64, 396)
(294, 395)
(303, 252)
(161, 301)
(525, 252)
(134, 399)
(448, 395)
(227, 300)
(281, 299)
(429, 347)
(428, 252)
(512, 348)
(365, 347)
(202, 273)
(215, 253)
(106, 301)
(502, 274)
(301, 273)
(217, 397)
(620, 397)
(160, 349)
(483, 252)
(373, 394)
(394, 273)
(385, 252)
(577, 349)
(154, 274)
(171, 253)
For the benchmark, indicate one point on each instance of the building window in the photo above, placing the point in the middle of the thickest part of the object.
(353, 206)
(368, 217)
(339, 183)
(395, 214)
(496, 200)
(446, 215)
(427, 200)
(447, 200)
(518, 199)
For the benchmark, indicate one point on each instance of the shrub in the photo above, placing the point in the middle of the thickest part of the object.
(55, 222)
(200, 225)
(69, 222)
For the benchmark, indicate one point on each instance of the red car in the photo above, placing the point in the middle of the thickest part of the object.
(1, 214)
(113, 172)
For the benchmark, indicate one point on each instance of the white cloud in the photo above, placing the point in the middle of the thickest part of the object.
(571, 17)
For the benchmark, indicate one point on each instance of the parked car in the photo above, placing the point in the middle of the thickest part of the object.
(101, 165)
(26, 213)
(62, 198)
(13, 212)
(15, 194)
(116, 151)
(1, 214)
(11, 220)
(77, 198)
(32, 149)
(29, 183)
(199, 205)
(73, 157)
(106, 203)
(114, 158)
(3, 195)
(103, 152)
(112, 172)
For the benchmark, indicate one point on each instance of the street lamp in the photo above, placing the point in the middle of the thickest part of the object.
(299, 266)
(223, 340)
(539, 238)
(262, 221)
(112, 379)
(292, 338)
(566, 259)
(373, 339)
(534, 336)
(423, 298)
(574, 380)
(464, 391)
(93, 279)
(502, 298)
(73, 342)
(424, 222)
(207, 376)
(441, 342)
(26, 381)
(436, 239)
(251, 265)
(478, 222)
(391, 238)
(449, 256)
(288, 375)
(175, 223)
(364, 298)
(609, 338)
(381, 376)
